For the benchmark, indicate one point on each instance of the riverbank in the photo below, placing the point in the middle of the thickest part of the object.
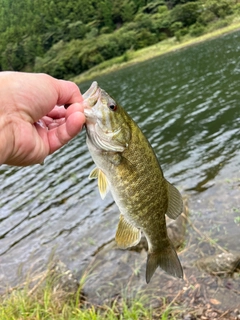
(161, 48)
(58, 296)
(113, 287)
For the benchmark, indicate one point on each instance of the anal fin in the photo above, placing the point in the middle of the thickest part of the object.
(175, 202)
(127, 235)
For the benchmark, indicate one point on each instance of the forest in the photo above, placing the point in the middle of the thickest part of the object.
(66, 38)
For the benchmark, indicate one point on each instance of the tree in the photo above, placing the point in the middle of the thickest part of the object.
(186, 13)
(105, 14)
(128, 10)
(172, 3)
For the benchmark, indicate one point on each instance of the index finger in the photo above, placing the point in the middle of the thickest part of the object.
(57, 112)
(68, 92)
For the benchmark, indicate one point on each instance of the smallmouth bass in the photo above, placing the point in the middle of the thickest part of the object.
(127, 166)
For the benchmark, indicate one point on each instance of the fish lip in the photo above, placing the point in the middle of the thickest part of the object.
(91, 98)
(91, 91)
(90, 103)
(88, 112)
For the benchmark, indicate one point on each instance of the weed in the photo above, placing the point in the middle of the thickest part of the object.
(237, 220)
(46, 300)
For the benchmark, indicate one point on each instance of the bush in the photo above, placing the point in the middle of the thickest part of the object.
(93, 33)
(196, 30)
(145, 38)
(220, 8)
(180, 33)
(89, 59)
(176, 26)
(173, 3)
(105, 30)
(13, 57)
(77, 30)
(152, 6)
(186, 13)
(108, 47)
(220, 24)
(236, 8)
(61, 61)
(126, 40)
(162, 23)
(143, 21)
(162, 9)
(162, 36)
(206, 17)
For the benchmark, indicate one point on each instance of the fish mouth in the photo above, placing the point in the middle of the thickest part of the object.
(91, 91)
(91, 97)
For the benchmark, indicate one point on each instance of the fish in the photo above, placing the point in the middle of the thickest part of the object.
(127, 166)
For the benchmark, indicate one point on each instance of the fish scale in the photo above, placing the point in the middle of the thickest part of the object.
(138, 192)
(128, 167)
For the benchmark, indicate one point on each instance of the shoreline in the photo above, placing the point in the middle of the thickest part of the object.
(58, 293)
(166, 46)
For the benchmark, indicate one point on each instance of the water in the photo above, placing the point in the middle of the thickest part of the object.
(187, 104)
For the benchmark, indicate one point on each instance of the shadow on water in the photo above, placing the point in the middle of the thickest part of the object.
(187, 104)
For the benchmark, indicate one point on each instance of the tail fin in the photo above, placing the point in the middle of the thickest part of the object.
(166, 259)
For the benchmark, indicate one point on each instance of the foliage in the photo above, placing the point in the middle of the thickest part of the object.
(66, 38)
(187, 13)
(196, 30)
(47, 299)
(220, 8)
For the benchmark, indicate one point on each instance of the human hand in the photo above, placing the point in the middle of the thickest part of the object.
(32, 126)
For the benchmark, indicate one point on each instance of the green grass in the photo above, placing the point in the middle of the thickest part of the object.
(46, 300)
(237, 220)
(48, 306)
(163, 47)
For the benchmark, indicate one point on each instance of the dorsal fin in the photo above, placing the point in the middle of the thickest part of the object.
(175, 203)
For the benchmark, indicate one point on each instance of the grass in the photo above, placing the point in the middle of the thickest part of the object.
(47, 305)
(237, 220)
(46, 300)
(163, 47)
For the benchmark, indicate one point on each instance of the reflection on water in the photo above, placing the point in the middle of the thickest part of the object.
(187, 104)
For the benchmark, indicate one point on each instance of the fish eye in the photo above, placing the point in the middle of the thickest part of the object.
(113, 107)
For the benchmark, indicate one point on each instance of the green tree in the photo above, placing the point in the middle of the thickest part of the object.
(13, 57)
(220, 8)
(105, 14)
(173, 3)
(65, 38)
(128, 10)
(187, 13)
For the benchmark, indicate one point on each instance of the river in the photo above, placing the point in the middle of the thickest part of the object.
(188, 105)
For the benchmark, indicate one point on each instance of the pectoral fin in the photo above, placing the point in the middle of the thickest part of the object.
(127, 235)
(93, 174)
(102, 181)
(175, 203)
